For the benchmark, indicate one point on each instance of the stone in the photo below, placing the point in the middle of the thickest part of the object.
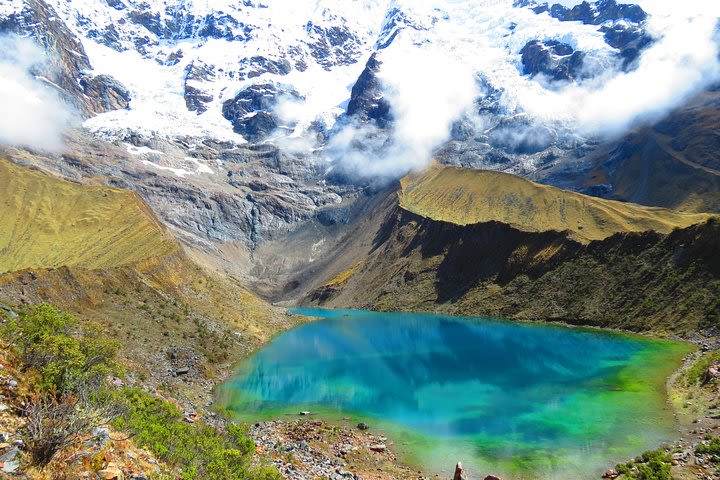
(610, 474)
(304, 412)
(182, 371)
(111, 472)
(101, 436)
(379, 447)
(9, 460)
(9, 467)
(362, 426)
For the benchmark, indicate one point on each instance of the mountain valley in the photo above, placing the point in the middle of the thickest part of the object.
(182, 174)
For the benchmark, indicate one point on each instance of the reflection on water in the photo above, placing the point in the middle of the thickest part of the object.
(502, 391)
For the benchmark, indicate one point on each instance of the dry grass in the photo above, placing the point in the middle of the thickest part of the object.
(48, 223)
(465, 196)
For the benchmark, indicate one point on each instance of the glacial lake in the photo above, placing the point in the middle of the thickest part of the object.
(516, 400)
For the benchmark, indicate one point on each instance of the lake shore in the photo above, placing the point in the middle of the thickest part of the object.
(279, 427)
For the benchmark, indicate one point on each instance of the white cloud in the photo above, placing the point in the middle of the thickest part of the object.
(429, 76)
(33, 114)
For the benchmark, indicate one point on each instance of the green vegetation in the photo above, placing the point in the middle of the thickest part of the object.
(64, 357)
(199, 450)
(66, 366)
(467, 196)
(696, 373)
(651, 465)
(711, 448)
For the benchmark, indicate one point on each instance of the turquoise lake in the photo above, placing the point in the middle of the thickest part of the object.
(518, 400)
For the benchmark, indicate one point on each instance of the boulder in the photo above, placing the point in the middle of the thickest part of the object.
(111, 472)
(362, 426)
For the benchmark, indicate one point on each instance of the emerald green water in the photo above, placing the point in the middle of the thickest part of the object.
(519, 400)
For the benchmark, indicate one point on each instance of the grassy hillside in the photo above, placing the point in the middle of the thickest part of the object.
(48, 222)
(464, 197)
(646, 282)
(100, 253)
(486, 243)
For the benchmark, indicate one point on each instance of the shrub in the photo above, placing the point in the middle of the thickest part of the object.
(651, 465)
(201, 451)
(53, 424)
(712, 448)
(65, 357)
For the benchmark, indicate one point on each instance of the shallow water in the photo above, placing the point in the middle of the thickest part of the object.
(522, 400)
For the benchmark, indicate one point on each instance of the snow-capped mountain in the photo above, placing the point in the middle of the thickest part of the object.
(275, 112)
(255, 70)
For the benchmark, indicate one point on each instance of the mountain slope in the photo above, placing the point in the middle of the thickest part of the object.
(665, 283)
(100, 253)
(49, 223)
(464, 197)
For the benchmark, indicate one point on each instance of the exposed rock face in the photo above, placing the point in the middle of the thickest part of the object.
(255, 66)
(367, 101)
(629, 39)
(251, 111)
(621, 23)
(196, 98)
(557, 60)
(104, 93)
(596, 13)
(245, 194)
(67, 61)
(335, 45)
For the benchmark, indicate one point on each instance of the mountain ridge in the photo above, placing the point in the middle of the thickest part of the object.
(464, 196)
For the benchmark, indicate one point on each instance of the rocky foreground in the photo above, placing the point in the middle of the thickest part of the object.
(307, 449)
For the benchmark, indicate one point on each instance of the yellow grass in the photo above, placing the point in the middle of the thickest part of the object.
(47, 223)
(467, 196)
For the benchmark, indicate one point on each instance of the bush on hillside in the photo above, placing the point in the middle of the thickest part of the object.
(66, 358)
(201, 451)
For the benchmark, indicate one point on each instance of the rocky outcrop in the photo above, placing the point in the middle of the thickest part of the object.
(556, 60)
(629, 39)
(334, 45)
(630, 281)
(251, 111)
(255, 66)
(595, 13)
(104, 93)
(621, 24)
(67, 63)
(367, 100)
(196, 96)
